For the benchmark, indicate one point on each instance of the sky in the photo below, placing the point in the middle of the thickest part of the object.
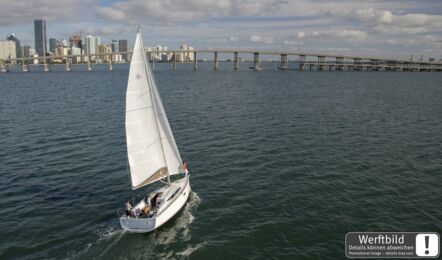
(387, 28)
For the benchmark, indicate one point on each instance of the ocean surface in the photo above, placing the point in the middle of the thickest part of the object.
(283, 163)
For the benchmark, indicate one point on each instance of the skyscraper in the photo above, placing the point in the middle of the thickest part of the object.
(40, 36)
(75, 41)
(114, 46)
(11, 37)
(52, 45)
(26, 49)
(122, 44)
(92, 44)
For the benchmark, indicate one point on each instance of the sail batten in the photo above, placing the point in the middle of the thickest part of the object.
(151, 148)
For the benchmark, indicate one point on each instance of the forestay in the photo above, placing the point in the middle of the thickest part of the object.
(151, 148)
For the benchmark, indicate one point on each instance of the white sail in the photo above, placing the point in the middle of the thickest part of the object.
(173, 158)
(151, 149)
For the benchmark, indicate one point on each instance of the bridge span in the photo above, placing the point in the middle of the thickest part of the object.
(304, 61)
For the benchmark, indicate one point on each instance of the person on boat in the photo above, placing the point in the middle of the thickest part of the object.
(185, 167)
(153, 201)
(138, 212)
(128, 208)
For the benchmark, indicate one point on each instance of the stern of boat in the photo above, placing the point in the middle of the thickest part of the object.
(137, 225)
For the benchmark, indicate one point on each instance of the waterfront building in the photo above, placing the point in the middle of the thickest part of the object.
(115, 46)
(117, 58)
(75, 41)
(40, 36)
(64, 43)
(92, 44)
(186, 55)
(26, 49)
(52, 45)
(104, 49)
(35, 58)
(76, 51)
(7, 50)
(62, 50)
(122, 45)
(18, 50)
(190, 53)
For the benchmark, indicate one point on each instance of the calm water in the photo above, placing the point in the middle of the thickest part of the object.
(282, 163)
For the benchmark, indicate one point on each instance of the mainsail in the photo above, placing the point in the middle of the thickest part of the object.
(151, 147)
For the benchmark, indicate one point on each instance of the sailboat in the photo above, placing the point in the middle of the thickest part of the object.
(153, 155)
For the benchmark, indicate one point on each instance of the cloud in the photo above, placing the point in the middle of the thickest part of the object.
(14, 13)
(384, 21)
(293, 43)
(261, 39)
(233, 38)
(181, 11)
(429, 41)
(345, 34)
(108, 30)
(225, 40)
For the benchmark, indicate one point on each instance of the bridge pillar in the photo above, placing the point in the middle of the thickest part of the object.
(45, 66)
(68, 65)
(321, 62)
(24, 67)
(3, 67)
(235, 60)
(215, 60)
(256, 61)
(195, 61)
(89, 64)
(339, 63)
(284, 64)
(358, 64)
(174, 61)
(301, 62)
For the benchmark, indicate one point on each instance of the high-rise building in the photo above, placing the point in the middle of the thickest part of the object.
(40, 36)
(122, 47)
(18, 52)
(26, 49)
(64, 43)
(75, 41)
(52, 45)
(7, 50)
(104, 49)
(92, 44)
(114, 46)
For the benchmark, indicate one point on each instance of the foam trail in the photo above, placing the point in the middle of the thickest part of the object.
(190, 249)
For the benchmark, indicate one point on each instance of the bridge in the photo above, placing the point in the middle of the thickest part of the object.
(305, 61)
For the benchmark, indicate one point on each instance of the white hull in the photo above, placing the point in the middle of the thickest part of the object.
(172, 200)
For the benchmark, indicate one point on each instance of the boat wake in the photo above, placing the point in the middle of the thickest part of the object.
(180, 228)
(190, 249)
(110, 232)
(177, 230)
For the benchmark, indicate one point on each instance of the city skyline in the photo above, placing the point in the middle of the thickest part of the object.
(379, 28)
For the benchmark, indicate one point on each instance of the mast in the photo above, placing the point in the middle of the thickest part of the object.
(153, 105)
